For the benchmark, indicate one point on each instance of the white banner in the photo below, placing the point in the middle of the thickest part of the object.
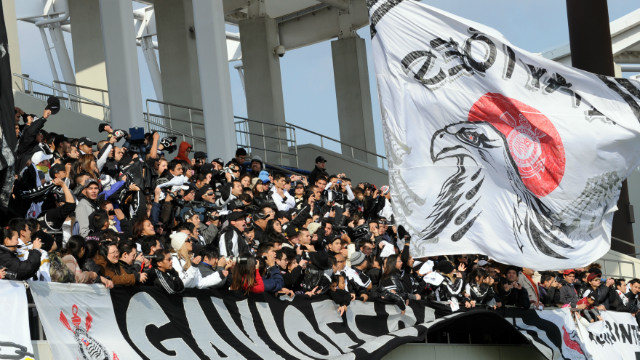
(553, 333)
(617, 336)
(494, 150)
(15, 339)
(79, 321)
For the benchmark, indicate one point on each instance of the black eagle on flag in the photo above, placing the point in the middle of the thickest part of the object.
(514, 153)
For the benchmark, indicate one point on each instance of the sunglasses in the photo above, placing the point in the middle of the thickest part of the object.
(209, 194)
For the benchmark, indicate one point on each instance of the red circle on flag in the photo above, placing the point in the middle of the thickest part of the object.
(534, 143)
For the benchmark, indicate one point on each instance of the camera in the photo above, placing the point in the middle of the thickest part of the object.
(169, 143)
(304, 256)
(11, 275)
(237, 259)
(119, 134)
(279, 50)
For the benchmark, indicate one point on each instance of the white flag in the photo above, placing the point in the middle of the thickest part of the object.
(79, 321)
(15, 339)
(494, 150)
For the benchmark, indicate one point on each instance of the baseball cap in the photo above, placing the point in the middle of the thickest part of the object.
(206, 168)
(53, 104)
(203, 190)
(235, 215)
(188, 214)
(264, 176)
(568, 271)
(85, 141)
(320, 159)
(39, 157)
(56, 168)
(90, 181)
(219, 161)
(199, 155)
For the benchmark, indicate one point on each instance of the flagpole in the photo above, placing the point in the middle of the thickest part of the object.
(590, 43)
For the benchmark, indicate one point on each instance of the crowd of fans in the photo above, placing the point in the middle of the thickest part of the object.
(127, 215)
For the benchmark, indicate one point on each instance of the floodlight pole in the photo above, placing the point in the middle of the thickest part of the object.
(590, 43)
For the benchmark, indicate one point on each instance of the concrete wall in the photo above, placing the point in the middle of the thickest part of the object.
(69, 123)
(356, 170)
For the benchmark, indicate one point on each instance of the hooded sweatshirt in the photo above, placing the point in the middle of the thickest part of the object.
(182, 151)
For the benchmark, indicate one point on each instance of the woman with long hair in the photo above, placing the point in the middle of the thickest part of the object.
(391, 285)
(246, 277)
(73, 255)
(143, 228)
(183, 264)
(88, 164)
(260, 196)
(480, 290)
(107, 258)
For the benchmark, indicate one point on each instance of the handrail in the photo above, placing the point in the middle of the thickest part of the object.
(175, 132)
(172, 104)
(314, 133)
(245, 133)
(71, 96)
(79, 86)
(338, 141)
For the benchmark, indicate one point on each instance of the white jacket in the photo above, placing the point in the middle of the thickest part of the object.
(191, 278)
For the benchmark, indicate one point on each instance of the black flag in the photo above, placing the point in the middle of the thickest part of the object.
(7, 119)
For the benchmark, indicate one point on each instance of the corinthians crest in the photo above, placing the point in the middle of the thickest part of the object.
(88, 347)
(524, 143)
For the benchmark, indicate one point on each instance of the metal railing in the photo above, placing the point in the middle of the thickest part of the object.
(68, 99)
(104, 94)
(381, 160)
(177, 120)
(274, 142)
(267, 139)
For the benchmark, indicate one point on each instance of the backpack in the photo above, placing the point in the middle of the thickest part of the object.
(59, 271)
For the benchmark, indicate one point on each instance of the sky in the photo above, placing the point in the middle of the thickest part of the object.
(307, 73)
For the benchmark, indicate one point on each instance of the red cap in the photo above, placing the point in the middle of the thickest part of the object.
(592, 276)
(568, 271)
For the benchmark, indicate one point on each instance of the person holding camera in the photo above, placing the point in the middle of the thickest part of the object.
(216, 266)
(511, 292)
(13, 267)
(283, 200)
(185, 265)
(162, 274)
(270, 272)
(549, 289)
(246, 277)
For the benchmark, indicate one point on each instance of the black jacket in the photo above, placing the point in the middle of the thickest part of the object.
(16, 269)
(229, 235)
(316, 173)
(168, 281)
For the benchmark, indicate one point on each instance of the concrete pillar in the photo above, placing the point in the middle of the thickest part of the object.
(123, 74)
(353, 97)
(9, 10)
(263, 87)
(88, 55)
(215, 82)
(179, 65)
